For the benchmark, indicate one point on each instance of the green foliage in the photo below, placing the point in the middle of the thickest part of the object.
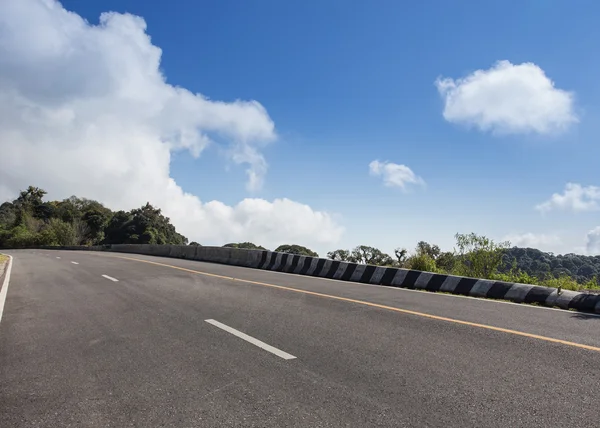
(20, 237)
(8, 215)
(370, 256)
(401, 257)
(63, 231)
(145, 225)
(47, 237)
(425, 248)
(422, 262)
(519, 276)
(563, 282)
(446, 261)
(478, 256)
(340, 255)
(29, 221)
(362, 254)
(541, 264)
(30, 199)
(194, 244)
(592, 284)
(244, 246)
(296, 249)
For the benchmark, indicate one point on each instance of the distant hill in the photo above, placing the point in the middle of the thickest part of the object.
(540, 264)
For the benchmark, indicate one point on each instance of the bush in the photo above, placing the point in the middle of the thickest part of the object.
(592, 284)
(20, 237)
(63, 231)
(520, 277)
(478, 256)
(46, 237)
(421, 262)
(563, 282)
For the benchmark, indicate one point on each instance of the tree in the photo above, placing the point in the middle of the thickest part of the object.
(244, 246)
(116, 231)
(433, 251)
(340, 255)
(68, 210)
(446, 261)
(154, 228)
(296, 249)
(64, 232)
(8, 215)
(96, 220)
(362, 254)
(587, 271)
(194, 244)
(29, 221)
(369, 255)
(145, 225)
(401, 256)
(20, 237)
(45, 211)
(421, 261)
(478, 256)
(31, 198)
(27, 203)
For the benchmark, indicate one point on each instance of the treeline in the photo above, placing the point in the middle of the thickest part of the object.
(289, 249)
(480, 257)
(537, 263)
(30, 221)
(475, 256)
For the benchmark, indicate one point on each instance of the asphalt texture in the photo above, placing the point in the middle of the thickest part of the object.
(80, 350)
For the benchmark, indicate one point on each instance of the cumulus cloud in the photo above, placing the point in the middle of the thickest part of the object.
(593, 242)
(508, 98)
(394, 175)
(575, 198)
(532, 240)
(85, 109)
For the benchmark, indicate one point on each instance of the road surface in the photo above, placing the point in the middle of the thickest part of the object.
(118, 340)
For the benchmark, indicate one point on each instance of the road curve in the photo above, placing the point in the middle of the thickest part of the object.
(112, 340)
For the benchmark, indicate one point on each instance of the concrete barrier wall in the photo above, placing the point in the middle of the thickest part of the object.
(366, 274)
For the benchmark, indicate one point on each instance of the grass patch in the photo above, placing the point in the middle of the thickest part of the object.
(3, 258)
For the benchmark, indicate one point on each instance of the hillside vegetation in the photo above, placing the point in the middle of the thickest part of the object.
(480, 257)
(30, 221)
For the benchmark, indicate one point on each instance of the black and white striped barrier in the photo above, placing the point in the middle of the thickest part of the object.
(413, 279)
(367, 274)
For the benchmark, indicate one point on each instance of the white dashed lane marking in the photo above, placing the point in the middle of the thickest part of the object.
(252, 340)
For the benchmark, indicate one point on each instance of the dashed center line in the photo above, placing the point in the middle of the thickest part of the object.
(75, 263)
(110, 278)
(58, 257)
(252, 340)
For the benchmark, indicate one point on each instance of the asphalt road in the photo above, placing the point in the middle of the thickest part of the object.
(79, 349)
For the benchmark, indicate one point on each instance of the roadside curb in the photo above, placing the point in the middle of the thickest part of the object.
(4, 281)
(428, 281)
(366, 274)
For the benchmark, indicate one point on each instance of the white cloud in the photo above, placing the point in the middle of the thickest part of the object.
(394, 175)
(508, 98)
(593, 242)
(85, 110)
(532, 240)
(575, 197)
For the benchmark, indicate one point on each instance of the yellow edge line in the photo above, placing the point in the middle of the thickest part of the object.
(377, 305)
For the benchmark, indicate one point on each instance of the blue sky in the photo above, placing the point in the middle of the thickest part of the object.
(347, 83)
